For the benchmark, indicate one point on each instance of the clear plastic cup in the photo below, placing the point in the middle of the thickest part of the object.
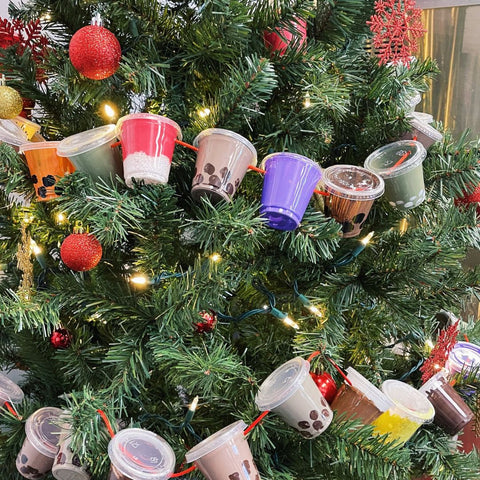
(67, 465)
(451, 412)
(138, 454)
(423, 133)
(291, 392)
(46, 167)
(94, 152)
(12, 134)
(361, 400)
(148, 142)
(288, 186)
(40, 446)
(409, 411)
(223, 158)
(352, 191)
(400, 166)
(464, 357)
(225, 455)
(27, 126)
(9, 391)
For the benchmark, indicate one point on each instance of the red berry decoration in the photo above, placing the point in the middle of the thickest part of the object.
(326, 384)
(81, 251)
(207, 326)
(95, 51)
(60, 338)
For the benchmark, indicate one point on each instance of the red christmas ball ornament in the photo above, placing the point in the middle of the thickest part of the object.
(61, 338)
(208, 324)
(326, 384)
(95, 51)
(81, 251)
(278, 40)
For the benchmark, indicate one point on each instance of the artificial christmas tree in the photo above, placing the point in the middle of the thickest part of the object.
(215, 297)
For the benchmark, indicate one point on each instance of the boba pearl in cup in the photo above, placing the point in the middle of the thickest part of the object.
(288, 186)
(9, 391)
(409, 411)
(225, 455)
(138, 454)
(223, 158)
(451, 412)
(351, 193)
(360, 399)
(400, 166)
(46, 167)
(94, 152)
(41, 443)
(291, 392)
(148, 142)
(464, 358)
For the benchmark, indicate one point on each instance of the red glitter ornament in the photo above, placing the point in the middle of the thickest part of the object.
(81, 251)
(95, 51)
(208, 324)
(397, 25)
(470, 198)
(326, 384)
(61, 338)
(440, 352)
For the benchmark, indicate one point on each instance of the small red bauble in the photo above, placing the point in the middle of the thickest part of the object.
(61, 338)
(278, 40)
(207, 326)
(326, 384)
(81, 251)
(95, 52)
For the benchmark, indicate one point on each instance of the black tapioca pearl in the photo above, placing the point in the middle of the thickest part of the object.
(198, 179)
(313, 414)
(42, 192)
(34, 179)
(246, 465)
(317, 425)
(323, 402)
(209, 168)
(325, 413)
(234, 476)
(359, 219)
(24, 458)
(237, 182)
(76, 461)
(229, 189)
(49, 181)
(215, 181)
(306, 434)
(304, 424)
(61, 458)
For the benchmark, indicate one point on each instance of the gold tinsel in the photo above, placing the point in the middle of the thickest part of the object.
(11, 103)
(25, 264)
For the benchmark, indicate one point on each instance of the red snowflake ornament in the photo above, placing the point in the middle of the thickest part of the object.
(397, 26)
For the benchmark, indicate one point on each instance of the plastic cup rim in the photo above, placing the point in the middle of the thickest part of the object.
(64, 147)
(128, 469)
(25, 147)
(374, 394)
(409, 164)
(215, 441)
(358, 195)
(296, 156)
(228, 133)
(426, 129)
(45, 448)
(149, 116)
(10, 390)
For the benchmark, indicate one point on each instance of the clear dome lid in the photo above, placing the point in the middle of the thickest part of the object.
(85, 141)
(10, 391)
(149, 116)
(43, 430)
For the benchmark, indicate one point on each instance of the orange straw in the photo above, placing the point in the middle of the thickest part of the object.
(339, 370)
(466, 338)
(313, 355)
(256, 422)
(400, 161)
(107, 422)
(183, 472)
(11, 410)
(184, 144)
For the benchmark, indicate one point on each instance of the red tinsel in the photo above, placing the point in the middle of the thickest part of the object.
(25, 35)
(440, 352)
(397, 25)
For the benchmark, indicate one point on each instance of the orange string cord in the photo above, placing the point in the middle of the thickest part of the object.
(183, 472)
(107, 422)
(184, 144)
(466, 338)
(11, 409)
(116, 144)
(256, 422)
(256, 169)
(399, 162)
(339, 370)
(313, 355)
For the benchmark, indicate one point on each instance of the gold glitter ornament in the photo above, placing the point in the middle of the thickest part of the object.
(11, 103)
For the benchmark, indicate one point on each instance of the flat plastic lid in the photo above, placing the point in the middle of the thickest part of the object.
(215, 441)
(141, 454)
(410, 401)
(10, 391)
(37, 146)
(291, 155)
(350, 181)
(387, 160)
(228, 133)
(282, 383)
(426, 129)
(464, 354)
(149, 116)
(43, 430)
(422, 117)
(85, 141)
(414, 99)
(12, 133)
(369, 390)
